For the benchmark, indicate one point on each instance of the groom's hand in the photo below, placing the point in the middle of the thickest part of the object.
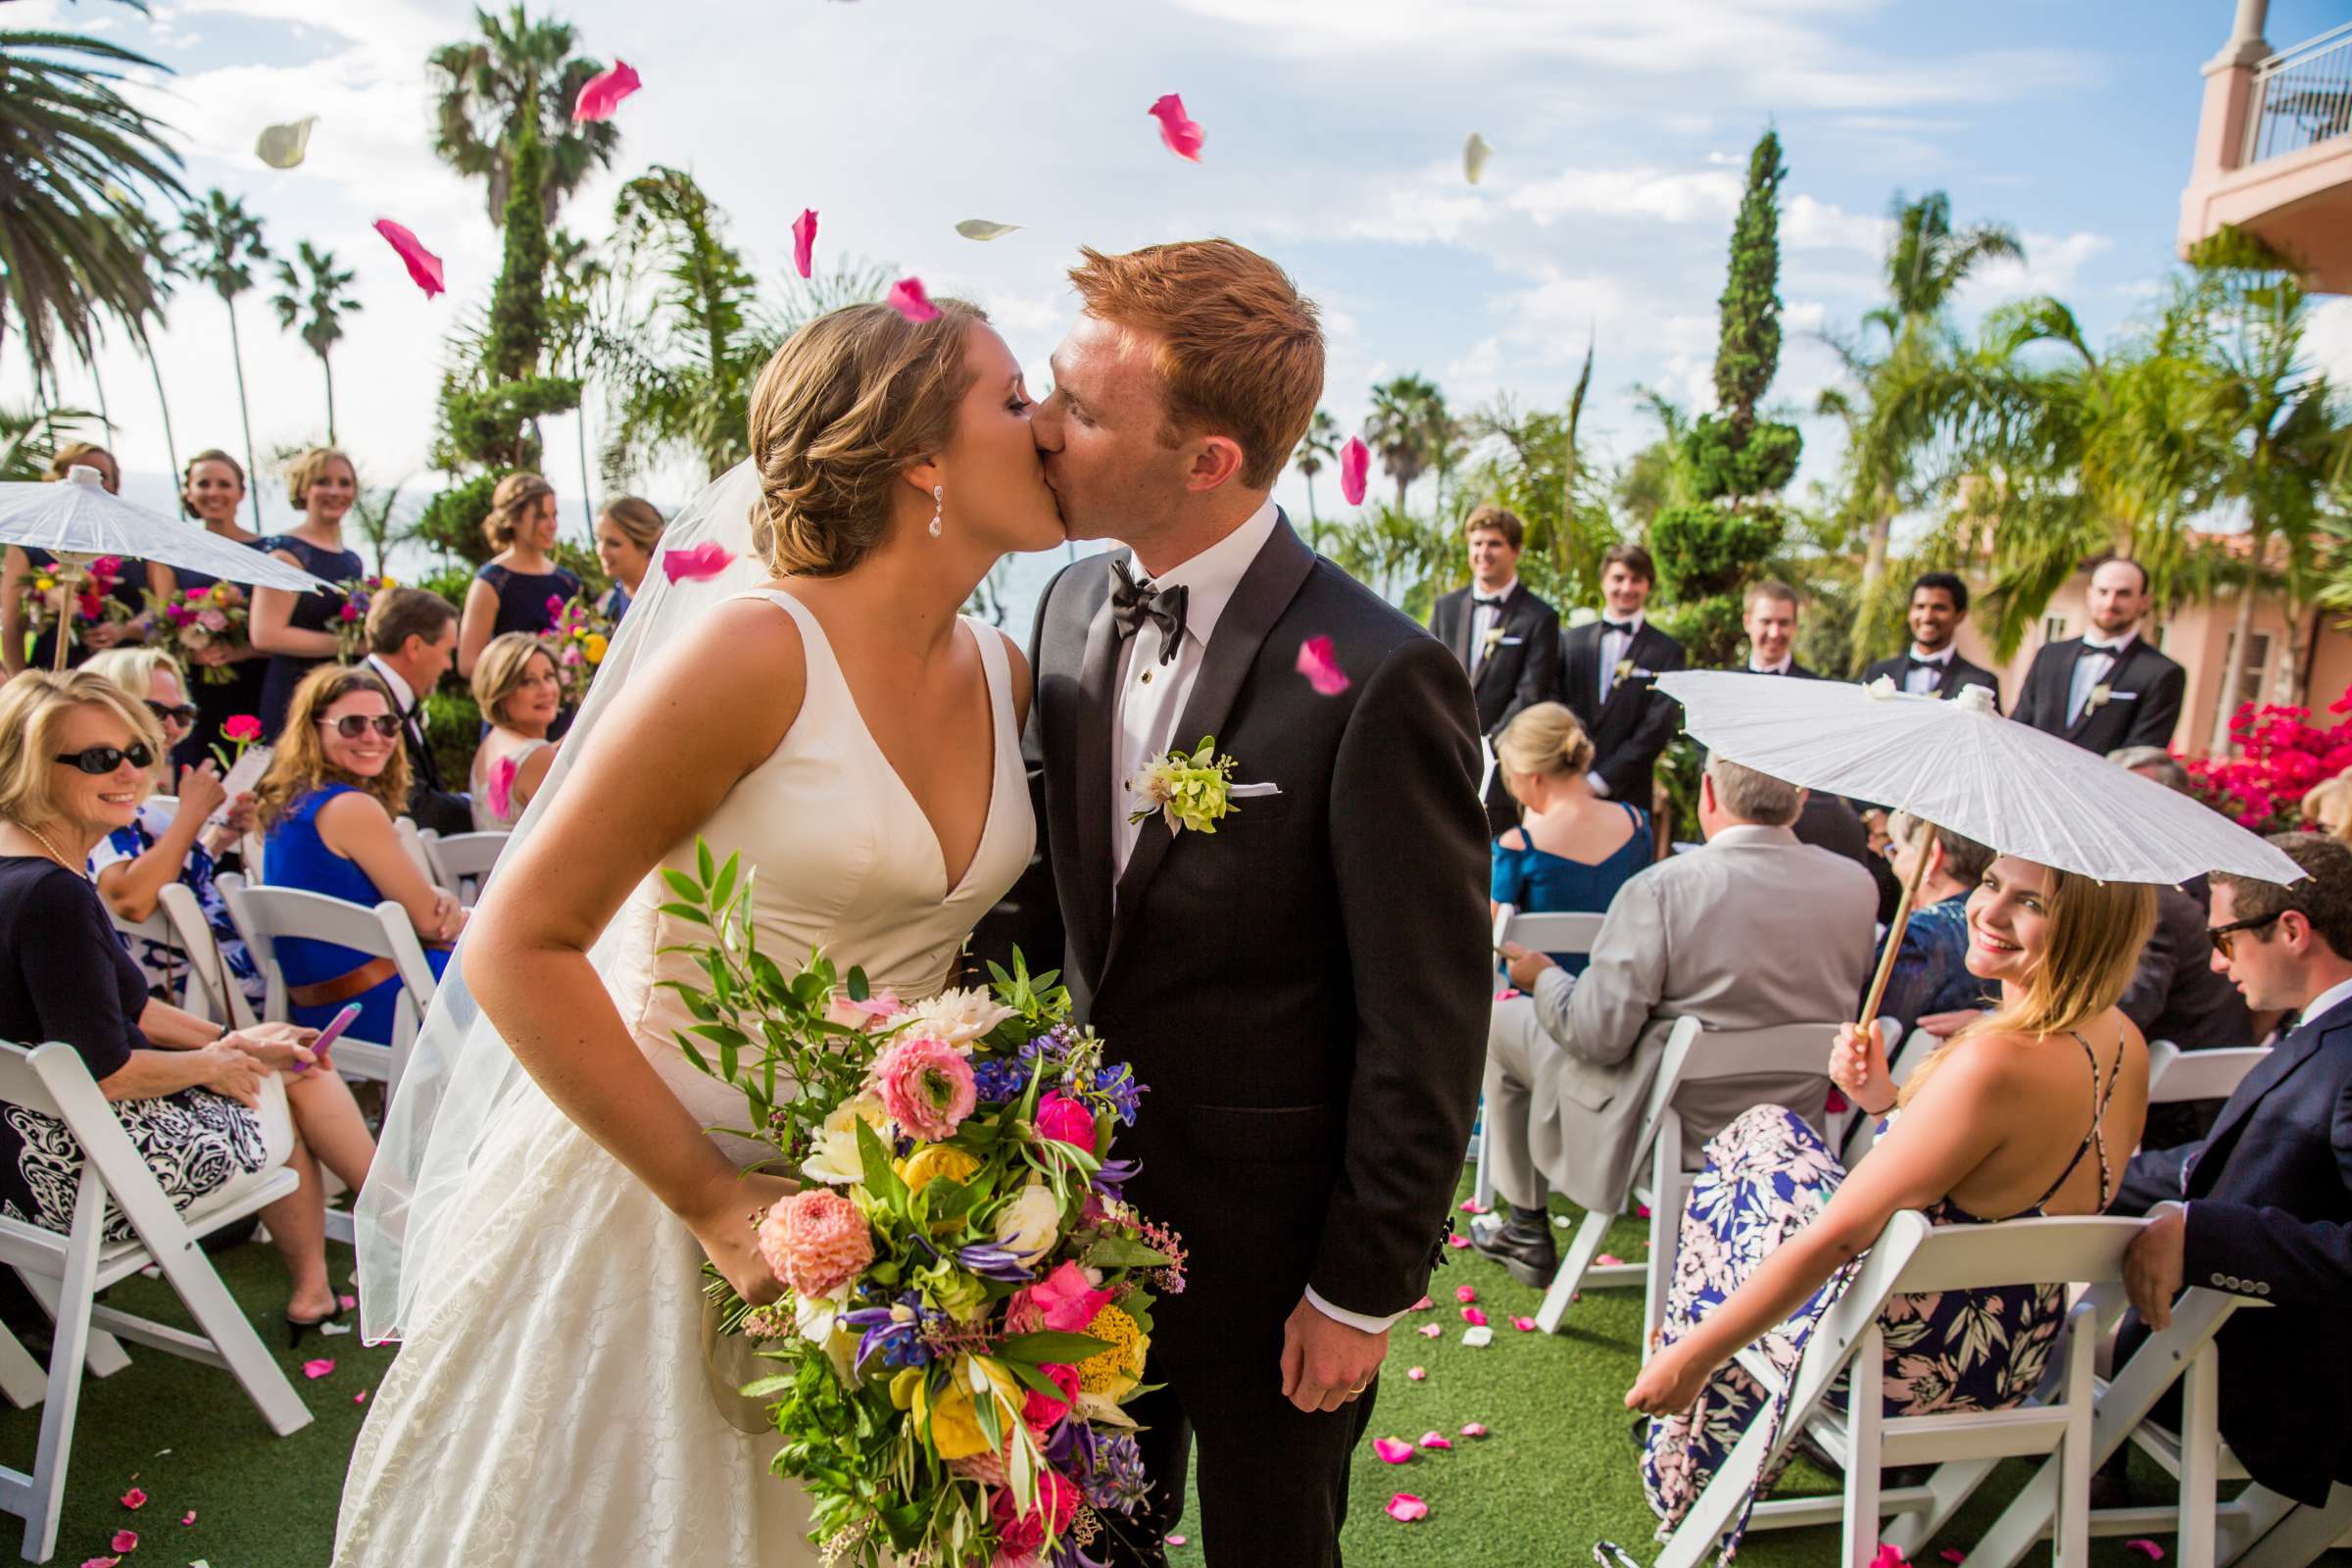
(1325, 1363)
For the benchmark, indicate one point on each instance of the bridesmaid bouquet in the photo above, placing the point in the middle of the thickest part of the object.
(576, 638)
(75, 596)
(968, 1296)
(203, 619)
(349, 623)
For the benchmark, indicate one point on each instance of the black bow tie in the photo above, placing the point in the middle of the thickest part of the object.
(2102, 650)
(1480, 601)
(1912, 662)
(1131, 606)
(1625, 626)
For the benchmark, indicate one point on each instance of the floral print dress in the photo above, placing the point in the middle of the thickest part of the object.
(1768, 1176)
(165, 965)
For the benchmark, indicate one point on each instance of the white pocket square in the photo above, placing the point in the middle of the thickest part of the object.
(1511, 642)
(1251, 792)
(2123, 697)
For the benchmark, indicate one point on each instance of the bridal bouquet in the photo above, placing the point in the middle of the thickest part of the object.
(968, 1296)
(202, 618)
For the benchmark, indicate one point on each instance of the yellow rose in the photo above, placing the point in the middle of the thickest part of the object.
(596, 646)
(955, 1423)
(930, 1162)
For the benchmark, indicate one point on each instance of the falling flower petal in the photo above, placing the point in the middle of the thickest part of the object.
(1953, 1554)
(602, 92)
(1416, 1374)
(1355, 465)
(906, 297)
(804, 241)
(1431, 1331)
(315, 1371)
(124, 1541)
(1474, 1317)
(1405, 1508)
(135, 1498)
(497, 786)
(698, 563)
(1465, 1294)
(1478, 1339)
(1608, 1260)
(982, 229)
(1457, 1242)
(2147, 1549)
(284, 146)
(1422, 1306)
(425, 267)
(1393, 1450)
(1475, 152)
(1179, 131)
(1474, 1429)
(360, 1398)
(1525, 1325)
(1436, 1440)
(1323, 672)
(188, 1518)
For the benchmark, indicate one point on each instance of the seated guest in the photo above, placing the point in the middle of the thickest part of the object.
(210, 1111)
(168, 840)
(512, 591)
(412, 643)
(516, 686)
(1506, 637)
(1933, 666)
(2327, 808)
(2156, 764)
(1573, 851)
(2262, 1205)
(1753, 930)
(1609, 671)
(2027, 1112)
(627, 534)
(326, 806)
(1931, 967)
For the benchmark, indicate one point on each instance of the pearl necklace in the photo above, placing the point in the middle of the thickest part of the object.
(46, 845)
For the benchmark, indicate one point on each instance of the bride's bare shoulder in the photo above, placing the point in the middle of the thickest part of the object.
(740, 667)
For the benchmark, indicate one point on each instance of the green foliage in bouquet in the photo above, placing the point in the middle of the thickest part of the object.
(967, 1295)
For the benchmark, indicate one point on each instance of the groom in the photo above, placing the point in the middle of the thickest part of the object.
(1305, 990)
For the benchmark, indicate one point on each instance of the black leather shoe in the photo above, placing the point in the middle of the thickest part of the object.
(1525, 1250)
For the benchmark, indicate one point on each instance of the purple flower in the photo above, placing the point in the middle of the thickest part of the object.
(999, 1081)
(897, 1340)
(1116, 1084)
(1111, 1180)
(993, 1264)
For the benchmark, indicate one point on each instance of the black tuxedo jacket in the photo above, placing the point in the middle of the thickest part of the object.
(2144, 709)
(1305, 990)
(1958, 672)
(1633, 725)
(2269, 1215)
(429, 803)
(1524, 668)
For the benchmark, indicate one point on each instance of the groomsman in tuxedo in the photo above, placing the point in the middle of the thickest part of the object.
(1506, 638)
(2110, 688)
(1770, 622)
(412, 643)
(1933, 666)
(1610, 673)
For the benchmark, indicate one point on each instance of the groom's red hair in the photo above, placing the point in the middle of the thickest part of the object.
(1240, 354)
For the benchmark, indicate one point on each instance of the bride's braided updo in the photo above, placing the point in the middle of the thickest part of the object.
(841, 411)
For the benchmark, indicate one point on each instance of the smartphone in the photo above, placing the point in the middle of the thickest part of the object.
(332, 1032)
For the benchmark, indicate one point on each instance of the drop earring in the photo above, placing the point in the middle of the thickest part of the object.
(939, 503)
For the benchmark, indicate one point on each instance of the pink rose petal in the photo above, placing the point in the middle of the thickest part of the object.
(188, 1518)
(1393, 1450)
(124, 1541)
(906, 297)
(602, 92)
(1436, 1440)
(1525, 1325)
(697, 562)
(2147, 1549)
(1405, 1508)
(425, 267)
(1323, 672)
(1474, 1317)
(1474, 1429)
(1179, 131)
(135, 1498)
(1608, 1260)
(1457, 1241)
(1641, 1209)
(803, 240)
(1355, 465)
(1953, 1554)
(315, 1371)
(498, 787)
(1465, 1294)
(1179, 1541)
(347, 1302)
(1471, 1205)
(1431, 1331)
(100, 1562)
(360, 1398)
(1416, 1374)
(1422, 1306)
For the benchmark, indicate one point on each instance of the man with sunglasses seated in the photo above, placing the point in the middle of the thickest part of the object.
(2262, 1207)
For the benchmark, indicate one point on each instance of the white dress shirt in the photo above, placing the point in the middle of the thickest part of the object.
(2318, 1006)
(1615, 648)
(1484, 618)
(404, 695)
(2090, 669)
(1780, 668)
(1927, 682)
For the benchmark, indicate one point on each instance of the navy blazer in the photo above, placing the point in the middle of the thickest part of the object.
(2270, 1216)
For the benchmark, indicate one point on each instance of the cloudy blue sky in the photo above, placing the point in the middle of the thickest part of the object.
(1334, 136)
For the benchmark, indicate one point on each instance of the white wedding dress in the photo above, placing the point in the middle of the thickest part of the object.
(551, 1403)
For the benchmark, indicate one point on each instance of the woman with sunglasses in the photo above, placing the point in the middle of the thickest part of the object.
(211, 1111)
(173, 838)
(326, 803)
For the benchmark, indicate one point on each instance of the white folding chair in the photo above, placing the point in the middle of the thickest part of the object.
(1694, 1055)
(412, 840)
(67, 1271)
(156, 928)
(263, 916)
(1903, 1062)
(462, 862)
(2176, 1075)
(211, 992)
(1538, 933)
(1914, 1258)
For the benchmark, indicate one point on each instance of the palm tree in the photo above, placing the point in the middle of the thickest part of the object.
(1400, 426)
(1320, 445)
(578, 281)
(224, 242)
(74, 240)
(317, 296)
(479, 88)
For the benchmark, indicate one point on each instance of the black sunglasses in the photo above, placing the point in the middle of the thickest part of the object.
(172, 714)
(351, 726)
(106, 758)
(2219, 935)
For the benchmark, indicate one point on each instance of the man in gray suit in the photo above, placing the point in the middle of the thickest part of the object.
(1756, 929)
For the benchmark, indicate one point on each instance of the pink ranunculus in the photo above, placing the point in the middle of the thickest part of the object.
(212, 621)
(926, 1087)
(1065, 1120)
(871, 1013)
(1064, 1298)
(1026, 1533)
(815, 1241)
(1040, 1413)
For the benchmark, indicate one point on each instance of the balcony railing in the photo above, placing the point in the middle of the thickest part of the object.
(2302, 96)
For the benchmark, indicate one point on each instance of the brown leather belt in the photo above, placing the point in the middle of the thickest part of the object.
(343, 987)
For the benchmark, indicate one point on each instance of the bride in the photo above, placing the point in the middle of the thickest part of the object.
(550, 1190)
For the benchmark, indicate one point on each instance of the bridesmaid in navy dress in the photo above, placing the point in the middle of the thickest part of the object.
(296, 629)
(211, 491)
(1573, 849)
(627, 534)
(512, 592)
(16, 613)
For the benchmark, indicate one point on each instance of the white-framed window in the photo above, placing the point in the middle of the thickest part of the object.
(2053, 628)
(2244, 678)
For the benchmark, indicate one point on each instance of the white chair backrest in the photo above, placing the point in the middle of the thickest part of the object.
(1546, 933)
(1916, 1047)
(2064, 1250)
(1486, 766)
(460, 859)
(212, 991)
(157, 928)
(413, 843)
(263, 916)
(2176, 1075)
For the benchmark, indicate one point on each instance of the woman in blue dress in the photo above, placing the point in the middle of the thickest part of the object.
(2032, 1111)
(297, 631)
(325, 807)
(128, 591)
(627, 534)
(512, 592)
(1572, 850)
(225, 680)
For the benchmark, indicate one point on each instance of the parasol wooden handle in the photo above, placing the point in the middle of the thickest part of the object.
(1894, 937)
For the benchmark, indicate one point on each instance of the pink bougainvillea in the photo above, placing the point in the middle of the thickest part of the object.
(2277, 754)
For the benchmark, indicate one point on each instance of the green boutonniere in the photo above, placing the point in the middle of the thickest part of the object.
(1186, 790)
